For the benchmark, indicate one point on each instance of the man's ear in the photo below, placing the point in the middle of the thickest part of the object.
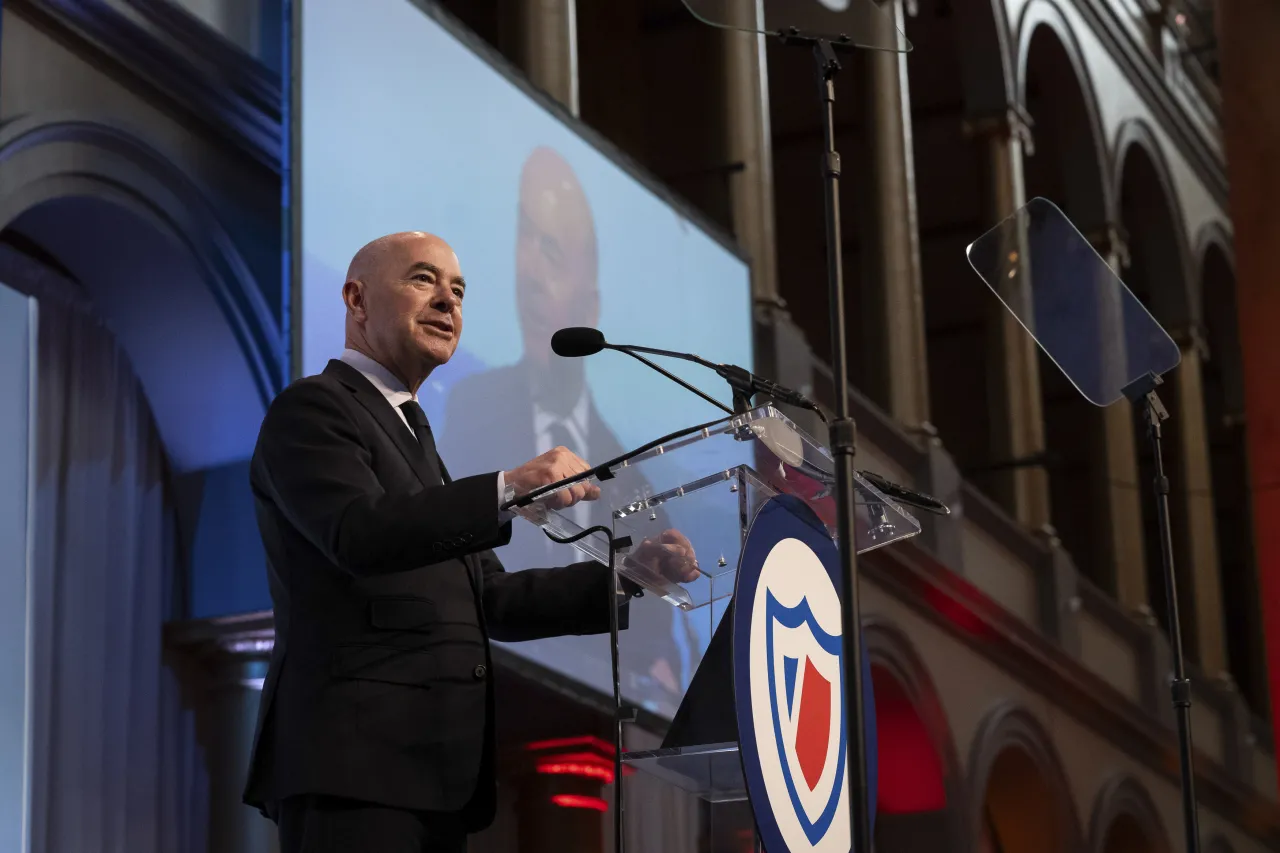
(353, 296)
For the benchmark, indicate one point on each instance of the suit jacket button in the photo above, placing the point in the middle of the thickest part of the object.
(480, 671)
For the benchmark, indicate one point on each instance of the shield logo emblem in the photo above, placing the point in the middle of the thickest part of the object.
(789, 692)
(808, 712)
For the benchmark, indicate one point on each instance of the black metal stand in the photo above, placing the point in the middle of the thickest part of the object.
(621, 714)
(1142, 392)
(843, 434)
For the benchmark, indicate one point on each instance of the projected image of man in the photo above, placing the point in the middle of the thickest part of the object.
(543, 400)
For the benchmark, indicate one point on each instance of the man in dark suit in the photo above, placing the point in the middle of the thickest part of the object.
(543, 400)
(375, 730)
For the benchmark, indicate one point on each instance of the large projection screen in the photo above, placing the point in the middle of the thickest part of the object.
(405, 121)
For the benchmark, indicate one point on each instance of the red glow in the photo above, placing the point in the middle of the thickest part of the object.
(958, 612)
(910, 776)
(587, 741)
(581, 769)
(578, 801)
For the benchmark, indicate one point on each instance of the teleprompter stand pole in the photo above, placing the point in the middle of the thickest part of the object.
(843, 444)
(1142, 392)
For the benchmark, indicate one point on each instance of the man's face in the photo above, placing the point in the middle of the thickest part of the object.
(555, 263)
(413, 303)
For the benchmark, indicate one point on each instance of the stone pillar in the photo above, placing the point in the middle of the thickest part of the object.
(894, 337)
(231, 708)
(781, 350)
(549, 48)
(1248, 32)
(221, 664)
(1116, 489)
(1016, 417)
(748, 143)
(1193, 504)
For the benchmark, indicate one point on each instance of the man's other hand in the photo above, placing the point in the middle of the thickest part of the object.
(551, 467)
(670, 556)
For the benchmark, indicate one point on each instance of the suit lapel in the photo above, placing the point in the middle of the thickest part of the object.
(386, 416)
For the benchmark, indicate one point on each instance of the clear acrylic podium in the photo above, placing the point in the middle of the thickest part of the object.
(708, 486)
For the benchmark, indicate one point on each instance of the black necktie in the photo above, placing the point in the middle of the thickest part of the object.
(417, 419)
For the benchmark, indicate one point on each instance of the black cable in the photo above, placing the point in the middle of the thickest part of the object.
(615, 590)
(676, 379)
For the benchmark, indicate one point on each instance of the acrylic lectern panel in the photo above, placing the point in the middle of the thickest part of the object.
(695, 484)
(706, 486)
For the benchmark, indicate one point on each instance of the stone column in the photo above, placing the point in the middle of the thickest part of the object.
(1192, 497)
(1116, 489)
(782, 353)
(549, 48)
(748, 144)
(895, 335)
(221, 664)
(1016, 417)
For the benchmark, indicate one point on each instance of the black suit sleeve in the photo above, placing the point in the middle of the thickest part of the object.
(314, 466)
(537, 603)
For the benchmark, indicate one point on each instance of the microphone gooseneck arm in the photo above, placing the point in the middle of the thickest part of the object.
(745, 384)
(676, 379)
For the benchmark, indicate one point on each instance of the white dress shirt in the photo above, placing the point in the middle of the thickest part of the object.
(397, 395)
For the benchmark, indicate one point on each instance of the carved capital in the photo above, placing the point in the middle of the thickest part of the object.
(1191, 338)
(1014, 122)
(1112, 242)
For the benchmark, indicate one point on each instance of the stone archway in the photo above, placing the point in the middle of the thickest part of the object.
(1068, 168)
(1222, 377)
(1125, 820)
(963, 102)
(160, 269)
(151, 260)
(1020, 799)
(919, 790)
(1159, 275)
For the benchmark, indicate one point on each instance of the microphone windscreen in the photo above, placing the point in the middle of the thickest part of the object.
(577, 341)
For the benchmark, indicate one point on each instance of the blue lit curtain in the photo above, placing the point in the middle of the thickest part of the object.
(115, 765)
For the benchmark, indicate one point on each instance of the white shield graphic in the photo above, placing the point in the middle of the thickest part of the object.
(798, 700)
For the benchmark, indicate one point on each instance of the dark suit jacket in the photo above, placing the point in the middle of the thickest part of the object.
(386, 593)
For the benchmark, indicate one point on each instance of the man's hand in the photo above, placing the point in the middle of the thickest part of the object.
(551, 467)
(669, 556)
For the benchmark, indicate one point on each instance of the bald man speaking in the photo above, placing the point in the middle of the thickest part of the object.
(376, 725)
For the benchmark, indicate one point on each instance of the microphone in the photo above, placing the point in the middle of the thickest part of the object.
(582, 341)
(577, 342)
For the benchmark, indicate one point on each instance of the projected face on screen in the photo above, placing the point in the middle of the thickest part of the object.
(424, 134)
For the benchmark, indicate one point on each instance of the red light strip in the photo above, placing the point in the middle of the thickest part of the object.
(589, 741)
(578, 801)
(583, 770)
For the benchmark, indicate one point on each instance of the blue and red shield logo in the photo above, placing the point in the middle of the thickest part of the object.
(788, 681)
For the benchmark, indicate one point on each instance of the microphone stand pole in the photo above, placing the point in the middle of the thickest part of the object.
(843, 434)
(1142, 392)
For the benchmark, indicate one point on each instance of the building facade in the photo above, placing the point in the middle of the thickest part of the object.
(1019, 647)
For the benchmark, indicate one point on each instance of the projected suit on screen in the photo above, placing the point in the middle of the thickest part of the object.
(543, 401)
